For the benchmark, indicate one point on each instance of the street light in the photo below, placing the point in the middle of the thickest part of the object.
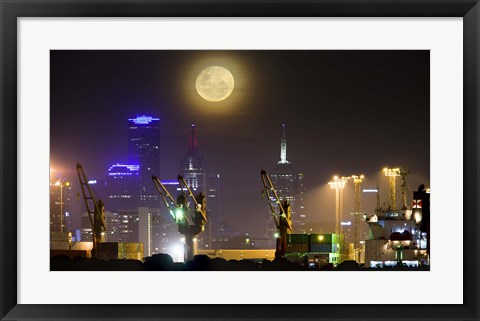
(338, 184)
(60, 184)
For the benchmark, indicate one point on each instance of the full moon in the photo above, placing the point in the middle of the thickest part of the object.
(215, 83)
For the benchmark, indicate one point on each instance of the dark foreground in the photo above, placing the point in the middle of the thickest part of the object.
(164, 262)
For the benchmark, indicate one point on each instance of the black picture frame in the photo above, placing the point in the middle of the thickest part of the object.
(10, 10)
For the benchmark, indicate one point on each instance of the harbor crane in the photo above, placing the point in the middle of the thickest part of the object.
(190, 221)
(282, 218)
(95, 210)
(392, 173)
(403, 175)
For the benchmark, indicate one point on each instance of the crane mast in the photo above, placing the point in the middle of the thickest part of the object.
(392, 174)
(95, 210)
(283, 220)
(190, 221)
(403, 174)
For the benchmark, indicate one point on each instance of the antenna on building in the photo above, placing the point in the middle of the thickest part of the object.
(283, 148)
(192, 144)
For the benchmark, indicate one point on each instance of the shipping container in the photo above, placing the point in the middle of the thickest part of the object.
(122, 251)
(321, 238)
(321, 248)
(297, 247)
(297, 238)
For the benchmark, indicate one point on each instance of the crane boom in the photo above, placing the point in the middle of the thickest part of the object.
(95, 209)
(165, 195)
(273, 198)
(282, 220)
(190, 222)
(198, 207)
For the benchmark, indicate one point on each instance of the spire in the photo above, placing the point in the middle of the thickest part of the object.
(283, 148)
(192, 143)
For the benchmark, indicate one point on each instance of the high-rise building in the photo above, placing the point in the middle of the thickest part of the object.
(61, 206)
(123, 185)
(143, 149)
(213, 208)
(192, 166)
(112, 221)
(128, 225)
(194, 171)
(290, 185)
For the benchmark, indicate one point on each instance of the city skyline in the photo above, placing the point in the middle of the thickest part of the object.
(378, 123)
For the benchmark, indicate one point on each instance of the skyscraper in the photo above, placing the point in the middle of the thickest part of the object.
(123, 187)
(192, 166)
(194, 171)
(60, 206)
(143, 149)
(290, 185)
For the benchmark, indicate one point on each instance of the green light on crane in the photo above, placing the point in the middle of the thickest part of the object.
(179, 215)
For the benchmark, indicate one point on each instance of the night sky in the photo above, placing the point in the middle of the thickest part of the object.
(346, 112)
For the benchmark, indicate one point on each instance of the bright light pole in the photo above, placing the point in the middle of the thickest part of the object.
(338, 184)
(357, 180)
(60, 184)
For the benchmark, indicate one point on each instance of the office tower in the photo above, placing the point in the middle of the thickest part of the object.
(143, 149)
(123, 186)
(213, 207)
(60, 206)
(192, 166)
(290, 185)
(112, 221)
(194, 171)
(128, 225)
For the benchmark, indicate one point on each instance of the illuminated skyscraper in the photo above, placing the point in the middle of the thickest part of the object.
(123, 186)
(192, 166)
(143, 149)
(290, 185)
(194, 171)
(60, 206)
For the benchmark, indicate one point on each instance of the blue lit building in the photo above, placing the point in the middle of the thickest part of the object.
(143, 149)
(123, 187)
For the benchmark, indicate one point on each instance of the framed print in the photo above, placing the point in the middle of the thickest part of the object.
(172, 194)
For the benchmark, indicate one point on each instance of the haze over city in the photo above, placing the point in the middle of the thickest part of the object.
(345, 113)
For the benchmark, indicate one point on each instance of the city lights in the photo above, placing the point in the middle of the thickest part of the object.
(175, 146)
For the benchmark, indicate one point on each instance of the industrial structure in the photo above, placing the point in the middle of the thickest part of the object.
(314, 250)
(196, 175)
(290, 185)
(280, 211)
(392, 174)
(338, 184)
(95, 210)
(99, 247)
(190, 220)
(399, 237)
(357, 180)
